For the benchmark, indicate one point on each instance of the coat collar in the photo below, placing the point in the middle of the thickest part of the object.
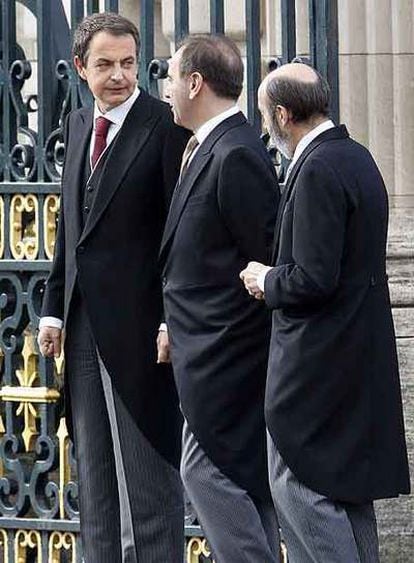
(123, 152)
(200, 160)
(332, 134)
(80, 132)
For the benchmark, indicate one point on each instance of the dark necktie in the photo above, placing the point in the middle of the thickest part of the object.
(101, 131)
(188, 151)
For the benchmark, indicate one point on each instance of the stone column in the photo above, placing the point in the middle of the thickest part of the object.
(380, 86)
(353, 69)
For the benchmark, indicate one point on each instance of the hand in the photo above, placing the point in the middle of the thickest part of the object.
(163, 347)
(49, 340)
(249, 277)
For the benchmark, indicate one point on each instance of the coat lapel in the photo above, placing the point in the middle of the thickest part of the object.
(329, 135)
(200, 160)
(124, 150)
(75, 167)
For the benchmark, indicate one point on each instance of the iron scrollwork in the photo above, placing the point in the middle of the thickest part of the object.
(22, 156)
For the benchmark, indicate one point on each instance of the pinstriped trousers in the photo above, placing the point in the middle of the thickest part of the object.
(131, 505)
(238, 528)
(316, 529)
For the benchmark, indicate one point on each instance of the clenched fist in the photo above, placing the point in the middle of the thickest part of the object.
(249, 277)
(49, 340)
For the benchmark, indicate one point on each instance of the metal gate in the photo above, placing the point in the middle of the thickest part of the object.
(38, 490)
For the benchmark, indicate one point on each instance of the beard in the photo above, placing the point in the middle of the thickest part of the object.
(281, 140)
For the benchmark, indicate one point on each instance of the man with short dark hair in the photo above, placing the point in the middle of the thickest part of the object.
(333, 403)
(122, 162)
(222, 213)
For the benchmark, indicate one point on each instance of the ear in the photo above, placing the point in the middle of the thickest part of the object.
(196, 82)
(79, 67)
(282, 115)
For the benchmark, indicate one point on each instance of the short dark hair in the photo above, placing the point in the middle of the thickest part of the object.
(106, 21)
(218, 60)
(302, 98)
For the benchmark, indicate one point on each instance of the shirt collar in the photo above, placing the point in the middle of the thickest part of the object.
(309, 137)
(118, 114)
(204, 131)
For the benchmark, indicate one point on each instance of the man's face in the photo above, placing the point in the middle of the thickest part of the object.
(279, 136)
(110, 69)
(177, 92)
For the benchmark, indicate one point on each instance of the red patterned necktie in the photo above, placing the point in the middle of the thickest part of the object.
(101, 130)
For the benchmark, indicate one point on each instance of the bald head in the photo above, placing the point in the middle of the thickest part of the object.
(299, 88)
(295, 71)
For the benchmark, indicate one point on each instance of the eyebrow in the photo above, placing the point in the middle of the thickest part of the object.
(104, 60)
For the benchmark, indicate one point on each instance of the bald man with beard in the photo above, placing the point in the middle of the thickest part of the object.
(333, 403)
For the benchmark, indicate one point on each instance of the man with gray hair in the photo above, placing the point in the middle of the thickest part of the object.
(333, 402)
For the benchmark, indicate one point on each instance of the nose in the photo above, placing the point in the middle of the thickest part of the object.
(167, 93)
(117, 74)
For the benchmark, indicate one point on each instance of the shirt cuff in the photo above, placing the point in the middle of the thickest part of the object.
(51, 321)
(163, 327)
(261, 278)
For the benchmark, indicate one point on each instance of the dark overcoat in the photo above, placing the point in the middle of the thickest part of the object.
(222, 215)
(113, 259)
(333, 402)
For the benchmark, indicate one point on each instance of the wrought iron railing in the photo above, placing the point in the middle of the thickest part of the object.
(38, 489)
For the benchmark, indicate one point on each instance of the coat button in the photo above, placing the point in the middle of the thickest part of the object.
(86, 209)
(164, 281)
(81, 249)
(89, 188)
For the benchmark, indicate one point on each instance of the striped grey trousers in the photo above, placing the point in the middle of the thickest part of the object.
(238, 528)
(131, 505)
(316, 529)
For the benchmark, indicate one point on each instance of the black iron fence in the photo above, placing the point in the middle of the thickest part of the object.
(38, 490)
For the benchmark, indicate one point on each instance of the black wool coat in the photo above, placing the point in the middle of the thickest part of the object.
(222, 215)
(333, 401)
(114, 259)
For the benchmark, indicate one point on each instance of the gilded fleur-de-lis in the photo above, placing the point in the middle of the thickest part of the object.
(28, 394)
(27, 377)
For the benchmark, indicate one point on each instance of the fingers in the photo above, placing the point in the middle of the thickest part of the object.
(163, 348)
(49, 341)
(56, 342)
(249, 276)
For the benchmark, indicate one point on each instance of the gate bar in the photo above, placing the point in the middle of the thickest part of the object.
(288, 14)
(253, 61)
(217, 16)
(181, 20)
(323, 36)
(8, 36)
(76, 14)
(147, 39)
(111, 6)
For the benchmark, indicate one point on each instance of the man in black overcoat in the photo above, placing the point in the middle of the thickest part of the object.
(333, 401)
(222, 212)
(121, 164)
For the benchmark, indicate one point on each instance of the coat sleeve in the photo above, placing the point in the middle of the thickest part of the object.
(318, 233)
(248, 197)
(54, 295)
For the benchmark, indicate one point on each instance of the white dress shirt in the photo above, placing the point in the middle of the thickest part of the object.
(204, 131)
(300, 147)
(117, 117)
